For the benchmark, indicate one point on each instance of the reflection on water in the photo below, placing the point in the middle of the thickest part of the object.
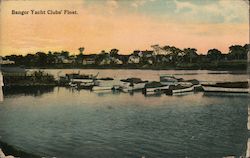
(70, 123)
(33, 91)
(66, 122)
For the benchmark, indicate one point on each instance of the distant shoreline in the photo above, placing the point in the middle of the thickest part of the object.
(229, 66)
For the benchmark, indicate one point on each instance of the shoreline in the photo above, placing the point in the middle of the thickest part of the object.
(120, 68)
(15, 151)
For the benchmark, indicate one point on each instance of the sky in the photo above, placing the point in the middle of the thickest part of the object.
(123, 24)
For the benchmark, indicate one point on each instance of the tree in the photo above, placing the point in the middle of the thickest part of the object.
(214, 54)
(237, 52)
(65, 54)
(114, 52)
(41, 58)
(81, 49)
(80, 56)
(136, 52)
(190, 54)
(175, 54)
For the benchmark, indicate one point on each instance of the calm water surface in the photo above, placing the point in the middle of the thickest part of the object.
(65, 123)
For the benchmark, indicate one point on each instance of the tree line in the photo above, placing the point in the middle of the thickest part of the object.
(176, 56)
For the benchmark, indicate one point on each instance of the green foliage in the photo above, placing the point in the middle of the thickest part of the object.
(238, 52)
(214, 54)
(175, 58)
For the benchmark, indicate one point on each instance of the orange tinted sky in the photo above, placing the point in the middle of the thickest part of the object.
(123, 24)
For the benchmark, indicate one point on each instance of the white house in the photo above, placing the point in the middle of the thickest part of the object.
(88, 61)
(5, 62)
(134, 59)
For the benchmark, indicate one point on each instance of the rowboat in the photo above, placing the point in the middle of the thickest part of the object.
(155, 87)
(183, 90)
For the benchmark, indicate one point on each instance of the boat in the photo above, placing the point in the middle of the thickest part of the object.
(155, 88)
(82, 81)
(168, 80)
(181, 89)
(72, 84)
(227, 87)
(80, 76)
(131, 87)
(133, 84)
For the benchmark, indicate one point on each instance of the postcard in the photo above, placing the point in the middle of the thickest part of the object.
(124, 79)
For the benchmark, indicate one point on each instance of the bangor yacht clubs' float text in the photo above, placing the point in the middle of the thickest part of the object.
(44, 12)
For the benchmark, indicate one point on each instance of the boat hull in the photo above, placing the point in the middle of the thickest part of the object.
(99, 88)
(184, 90)
(225, 90)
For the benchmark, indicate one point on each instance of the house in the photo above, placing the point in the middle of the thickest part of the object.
(146, 53)
(88, 61)
(160, 51)
(162, 59)
(133, 59)
(116, 61)
(67, 61)
(105, 61)
(6, 62)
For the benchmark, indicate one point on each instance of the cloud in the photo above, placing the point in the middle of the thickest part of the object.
(95, 28)
(223, 11)
(138, 3)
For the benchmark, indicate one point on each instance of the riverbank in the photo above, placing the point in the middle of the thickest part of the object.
(214, 66)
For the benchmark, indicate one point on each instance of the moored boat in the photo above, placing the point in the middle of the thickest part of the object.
(227, 87)
(133, 84)
(155, 88)
(81, 81)
(181, 89)
(130, 87)
(168, 79)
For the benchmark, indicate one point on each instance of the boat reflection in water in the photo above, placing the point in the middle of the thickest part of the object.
(27, 91)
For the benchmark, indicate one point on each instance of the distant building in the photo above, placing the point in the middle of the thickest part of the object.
(160, 51)
(133, 59)
(105, 61)
(88, 61)
(111, 60)
(146, 53)
(116, 61)
(67, 61)
(6, 62)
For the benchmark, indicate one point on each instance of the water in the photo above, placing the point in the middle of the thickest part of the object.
(65, 123)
